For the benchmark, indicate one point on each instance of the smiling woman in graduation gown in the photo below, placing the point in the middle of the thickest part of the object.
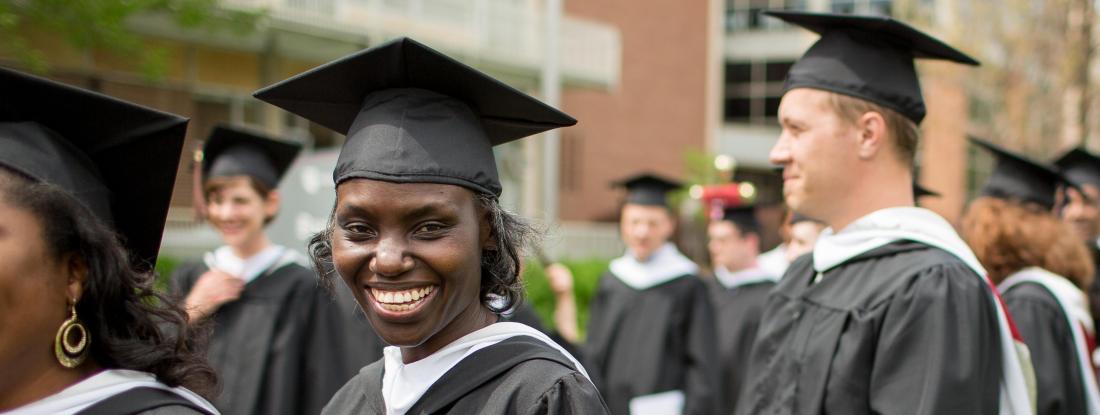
(280, 343)
(420, 240)
(1041, 274)
(651, 334)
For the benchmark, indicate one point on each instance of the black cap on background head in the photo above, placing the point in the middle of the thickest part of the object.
(867, 57)
(1080, 167)
(1016, 178)
(743, 216)
(118, 158)
(412, 114)
(921, 191)
(238, 151)
(647, 189)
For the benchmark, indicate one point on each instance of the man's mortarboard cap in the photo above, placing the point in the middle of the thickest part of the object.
(412, 114)
(867, 57)
(236, 151)
(647, 189)
(743, 216)
(1080, 167)
(1016, 178)
(118, 158)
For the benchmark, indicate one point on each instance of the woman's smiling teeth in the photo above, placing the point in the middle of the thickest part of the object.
(402, 300)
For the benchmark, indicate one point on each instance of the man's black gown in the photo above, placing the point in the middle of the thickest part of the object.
(658, 339)
(285, 346)
(737, 311)
(517, 376)
(904, 328)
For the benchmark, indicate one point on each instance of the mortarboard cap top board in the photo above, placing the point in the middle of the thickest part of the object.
(117, 158)
(1017, 178)
(412, 114)
(1080, 166)
(240, 151)
(647, 189)
(743, 216)
(921, 191)
(867, 57)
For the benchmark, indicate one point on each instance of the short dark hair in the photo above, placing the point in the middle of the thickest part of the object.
(131, 325)
(215, 184)
(501, 285)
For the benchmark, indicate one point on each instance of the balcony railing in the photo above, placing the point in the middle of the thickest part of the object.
(492, 32)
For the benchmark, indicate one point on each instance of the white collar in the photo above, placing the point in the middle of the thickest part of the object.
(666, 264)
(885, 226)
(774, 261)
(1073, 303)
(747, 276)
(250, 268)
(403, 384)
(98, 387)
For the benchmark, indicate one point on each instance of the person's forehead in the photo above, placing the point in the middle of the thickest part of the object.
(369, 192)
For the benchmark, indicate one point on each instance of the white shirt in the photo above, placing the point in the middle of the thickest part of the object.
(250, 268)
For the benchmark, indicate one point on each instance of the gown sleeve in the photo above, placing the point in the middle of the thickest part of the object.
(702, 375)
(572, 394)
(939, 350)
(1043, 327)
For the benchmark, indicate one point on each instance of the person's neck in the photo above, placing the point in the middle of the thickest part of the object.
(467, 322)
(879, 191)
(31, 385)
(251, 247)
(735, 268)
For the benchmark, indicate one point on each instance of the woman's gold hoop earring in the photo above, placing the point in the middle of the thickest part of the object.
(71, 355)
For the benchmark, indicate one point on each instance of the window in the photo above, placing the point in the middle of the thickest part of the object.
(753, 90)
(742, 15)
(877, 7)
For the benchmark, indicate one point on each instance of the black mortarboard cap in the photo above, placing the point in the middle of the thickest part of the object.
(118, 158)
(238, 151)
(412, 114)
(1080, 167)
(867, 57)
(647, 189)
(921, 191)
(743, 216)
(1017, 178)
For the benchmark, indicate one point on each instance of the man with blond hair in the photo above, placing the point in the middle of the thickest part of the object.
(891, 313)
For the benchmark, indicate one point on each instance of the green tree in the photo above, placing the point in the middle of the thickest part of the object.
(102, 25)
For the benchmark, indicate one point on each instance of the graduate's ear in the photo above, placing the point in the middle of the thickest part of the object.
(271, 203)
(75, 268)
(871, 127)
(486, 233)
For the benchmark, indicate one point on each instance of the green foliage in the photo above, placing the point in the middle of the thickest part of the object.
(102, 25)
(586, 277)
(163, 270)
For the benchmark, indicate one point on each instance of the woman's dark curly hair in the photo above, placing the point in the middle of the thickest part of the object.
(501, 287)
(131, 325)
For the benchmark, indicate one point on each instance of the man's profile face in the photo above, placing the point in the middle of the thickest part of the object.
(818, 152)
(1082, 214)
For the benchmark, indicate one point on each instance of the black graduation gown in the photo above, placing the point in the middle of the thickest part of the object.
(526, 314)
(1042, 324)
(905, 328)
(662, 338)
(1094, 291)
(285, 346)
(738, 311)
(517, 376)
